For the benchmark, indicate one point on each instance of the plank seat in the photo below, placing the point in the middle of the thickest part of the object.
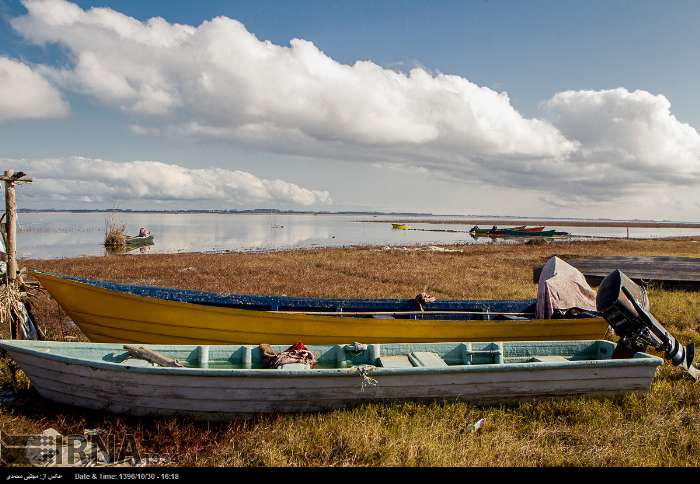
(548, 359)
(395, 361)
(295, 366)
(427, 359)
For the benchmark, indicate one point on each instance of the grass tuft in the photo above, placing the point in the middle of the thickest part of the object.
(11, 308)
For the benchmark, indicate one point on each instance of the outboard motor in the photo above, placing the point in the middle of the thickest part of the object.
(625, 306)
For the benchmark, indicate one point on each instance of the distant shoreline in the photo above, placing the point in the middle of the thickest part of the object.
(256, 211)
(436, 219)
(484, 223)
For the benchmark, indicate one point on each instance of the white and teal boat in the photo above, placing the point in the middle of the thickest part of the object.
(224, 381)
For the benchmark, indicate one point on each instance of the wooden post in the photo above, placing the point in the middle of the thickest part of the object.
(10, 178)
(11, 226)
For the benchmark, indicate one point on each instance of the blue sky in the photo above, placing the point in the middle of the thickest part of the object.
(531, 50)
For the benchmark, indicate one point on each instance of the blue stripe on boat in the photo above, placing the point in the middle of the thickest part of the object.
(290, 303)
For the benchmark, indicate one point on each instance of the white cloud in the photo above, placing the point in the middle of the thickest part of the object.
(217, 80)
(81, 179)
(25, 94)
(227, 83)
(630, 131)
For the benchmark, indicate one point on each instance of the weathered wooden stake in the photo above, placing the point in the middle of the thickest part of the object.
(11, 226)
(10, 178)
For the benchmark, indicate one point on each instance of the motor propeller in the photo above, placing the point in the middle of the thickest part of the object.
(624, 305)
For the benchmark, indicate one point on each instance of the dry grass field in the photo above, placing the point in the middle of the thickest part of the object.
(655, 430)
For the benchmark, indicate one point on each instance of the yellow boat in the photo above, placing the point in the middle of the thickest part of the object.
(399, 226)
(111, 312)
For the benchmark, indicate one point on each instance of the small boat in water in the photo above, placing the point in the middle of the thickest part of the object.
(138, 241)
(400, 226)
(496, 232)
(493, 231)
(218, 382)
(517, 232)
(131, 243)
(112, 312)
(525, 233)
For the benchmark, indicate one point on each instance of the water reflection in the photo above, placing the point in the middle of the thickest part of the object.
(128, 249)
(48, 235)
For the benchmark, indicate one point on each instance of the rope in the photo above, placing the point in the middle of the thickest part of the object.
(367, 381)
(355, 347)
(644, 296)
(424, 298)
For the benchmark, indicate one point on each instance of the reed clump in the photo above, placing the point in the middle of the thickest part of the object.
(115, 235)
(11, 309)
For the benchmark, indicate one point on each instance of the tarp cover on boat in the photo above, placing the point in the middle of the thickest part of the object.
(561, 287)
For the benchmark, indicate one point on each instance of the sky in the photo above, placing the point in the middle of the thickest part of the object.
(529, 108)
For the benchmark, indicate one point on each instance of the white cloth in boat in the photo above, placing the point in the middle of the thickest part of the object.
(562, 286)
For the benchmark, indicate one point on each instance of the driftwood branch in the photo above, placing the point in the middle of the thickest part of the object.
(11, 176)
(142, 353)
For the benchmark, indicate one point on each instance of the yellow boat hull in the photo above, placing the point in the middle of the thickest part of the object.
(111, 316)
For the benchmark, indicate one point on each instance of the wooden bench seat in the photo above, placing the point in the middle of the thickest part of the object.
(424, 359)
(548, 359)
(395, 361)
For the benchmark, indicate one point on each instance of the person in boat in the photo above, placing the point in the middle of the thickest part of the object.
(474, 229)
(143, 232)
(493, 230)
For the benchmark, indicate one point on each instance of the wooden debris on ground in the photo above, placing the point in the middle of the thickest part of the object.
(670, 272)
(154, 357)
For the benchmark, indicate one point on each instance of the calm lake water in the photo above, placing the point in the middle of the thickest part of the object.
(51, 235)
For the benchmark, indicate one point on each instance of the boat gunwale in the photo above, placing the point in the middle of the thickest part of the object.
(638, 359)
(228, 310)
(89, 283)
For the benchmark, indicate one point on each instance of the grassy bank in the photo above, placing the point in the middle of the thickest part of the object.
(651, 430)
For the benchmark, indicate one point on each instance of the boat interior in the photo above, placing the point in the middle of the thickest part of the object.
(408, 355)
